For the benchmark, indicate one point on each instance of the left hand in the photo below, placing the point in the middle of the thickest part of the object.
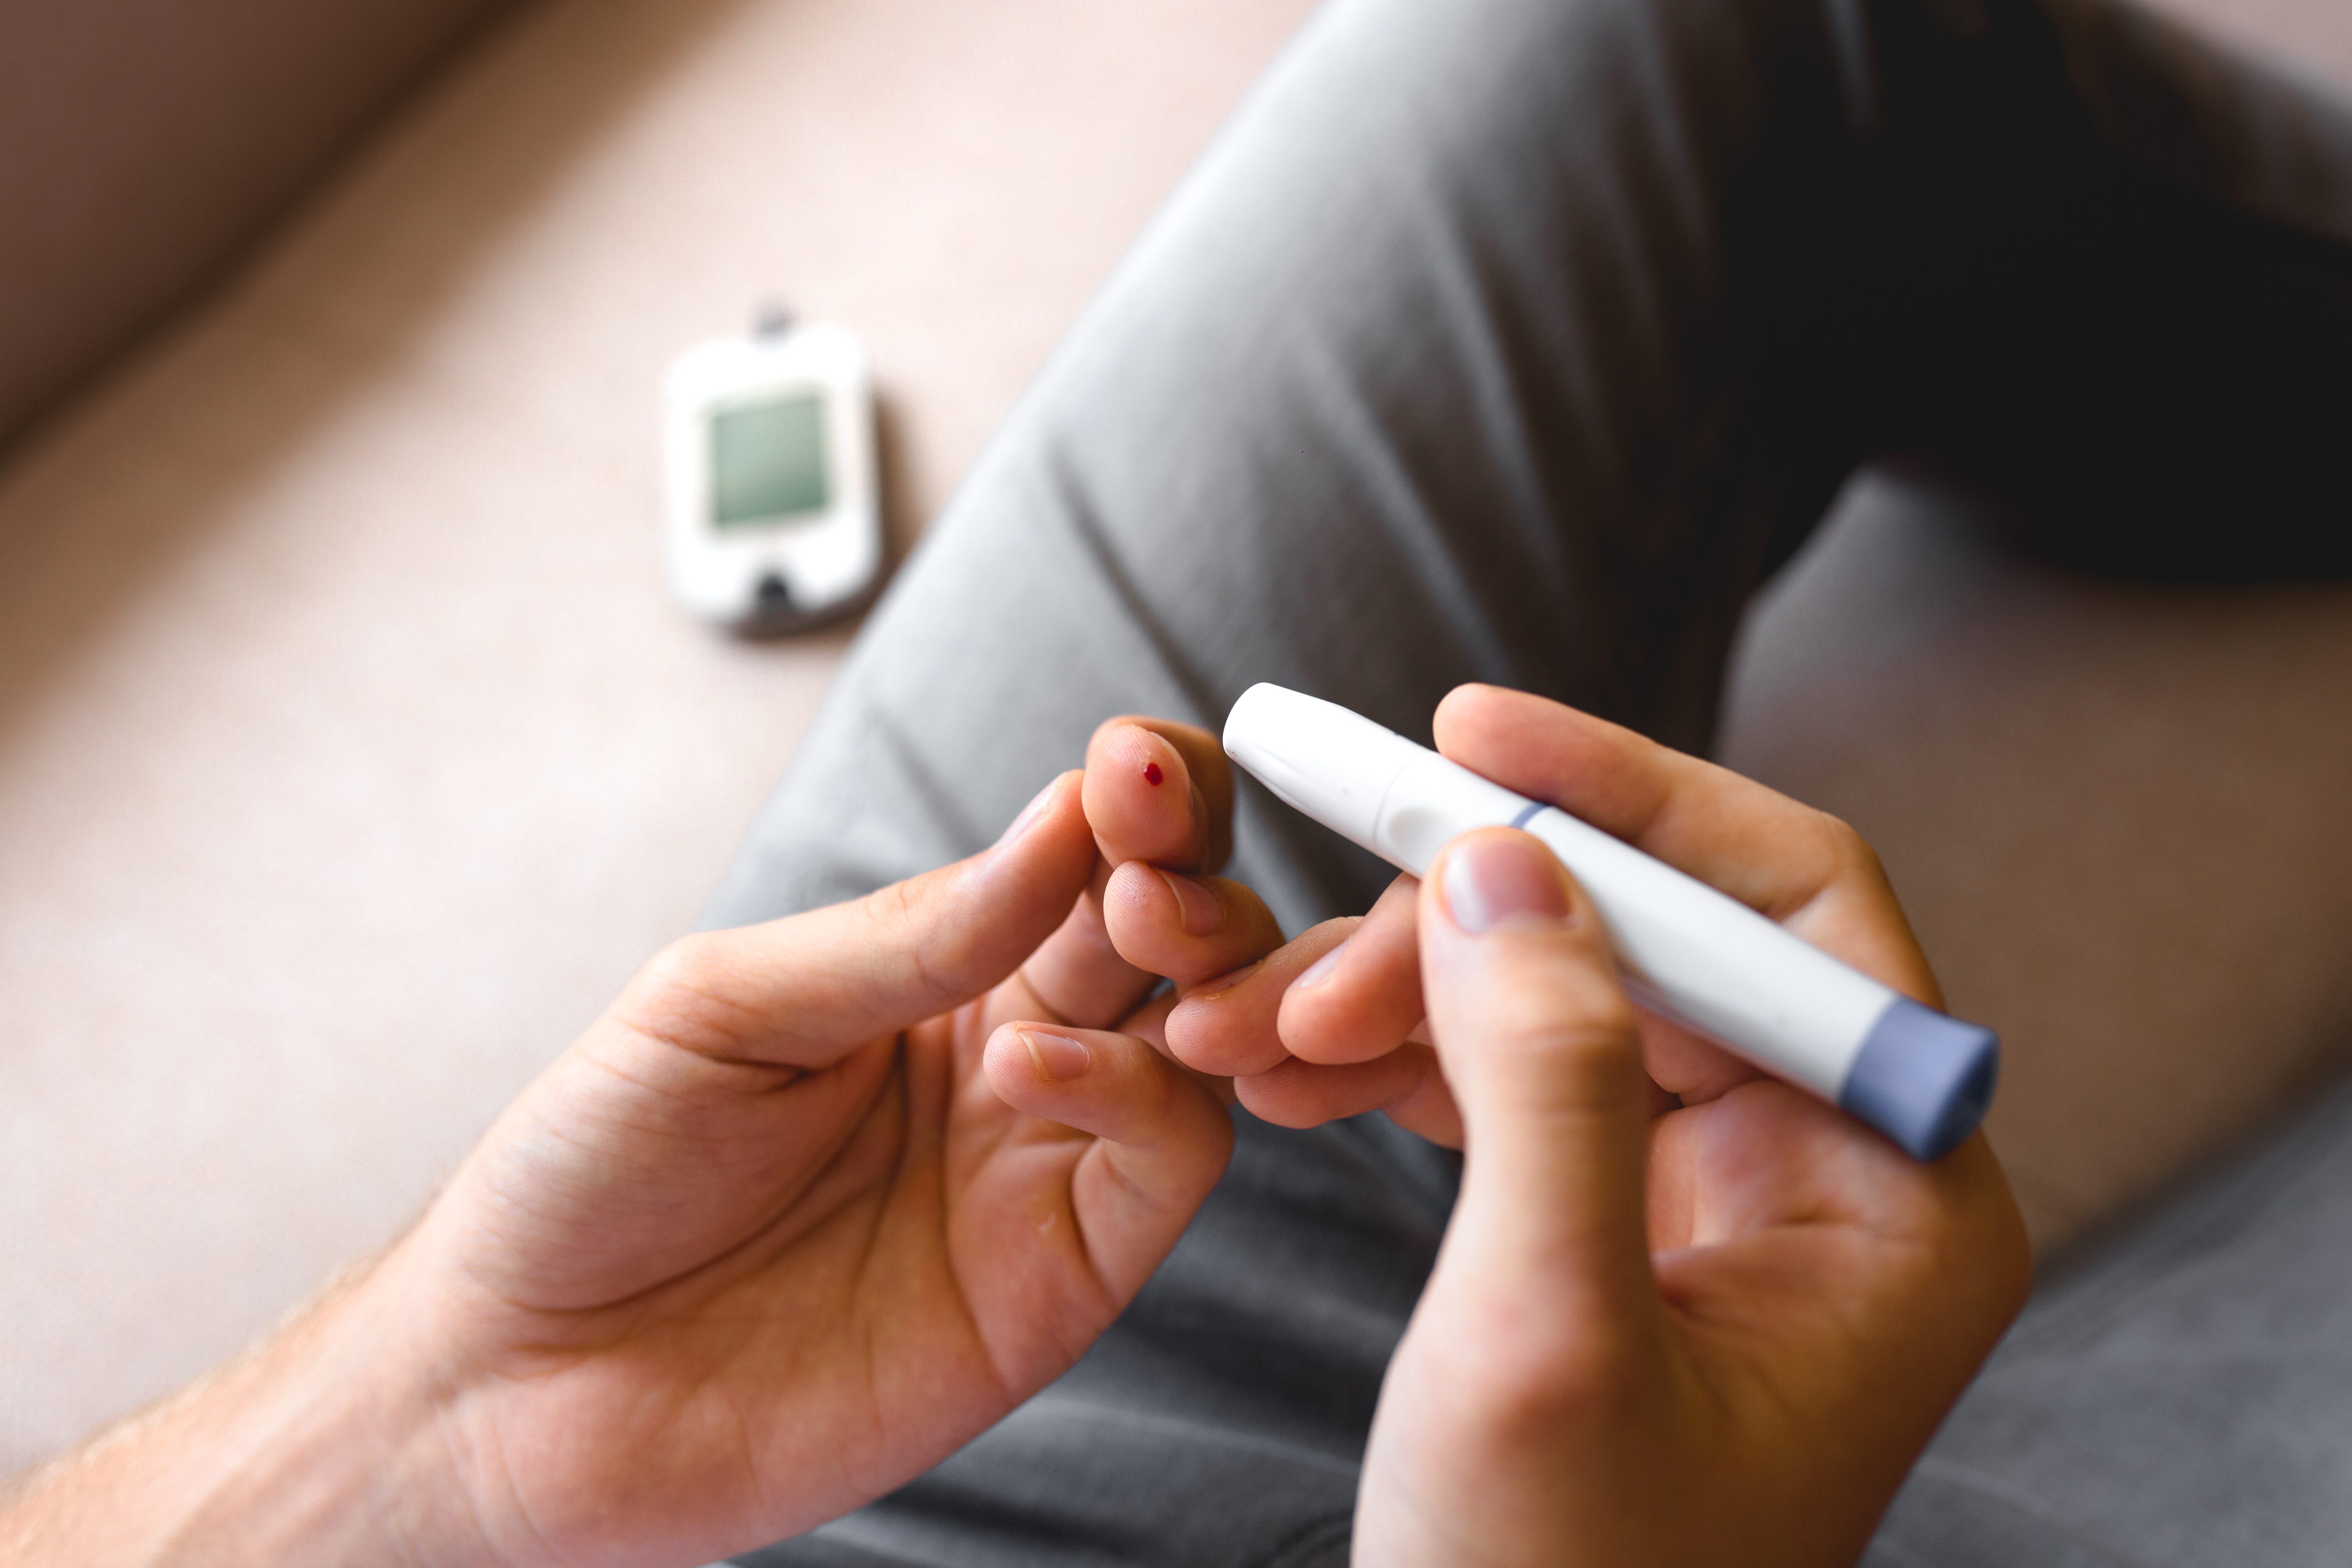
(812, 1205)
(808, 1208)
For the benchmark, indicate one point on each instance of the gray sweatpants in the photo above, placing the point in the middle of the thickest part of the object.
(1519, 340)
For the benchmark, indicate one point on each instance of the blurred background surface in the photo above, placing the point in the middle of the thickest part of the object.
(351, 755)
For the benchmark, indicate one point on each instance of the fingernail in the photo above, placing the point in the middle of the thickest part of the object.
(1058, 1058)
(1322, 969)
(1028, 816)
(1494, 879)
(1197, 907)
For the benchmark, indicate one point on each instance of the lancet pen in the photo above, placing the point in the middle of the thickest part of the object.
(1922, 1077)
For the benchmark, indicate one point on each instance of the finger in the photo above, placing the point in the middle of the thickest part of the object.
(1190, 929)
(1227, 1024)
(1144, 802)
(1363, 997)
(1076, 975)
(1149, 1024)
(801, 992)
(1687, 1068)
(1161, 791)
(1430, 1109)
(1160, 1140)
(1796, 865)
(1539, 1044)
(1406, 1083)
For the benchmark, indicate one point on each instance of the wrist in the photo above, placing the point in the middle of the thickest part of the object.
(323, 1444)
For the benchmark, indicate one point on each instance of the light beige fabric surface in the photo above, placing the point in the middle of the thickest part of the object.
(351, 755)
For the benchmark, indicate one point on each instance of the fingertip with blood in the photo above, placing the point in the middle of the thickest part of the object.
(1140, 798)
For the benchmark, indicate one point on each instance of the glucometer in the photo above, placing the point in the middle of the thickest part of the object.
(1687, 952)
(773, 519)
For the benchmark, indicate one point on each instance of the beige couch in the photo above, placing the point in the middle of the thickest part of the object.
(351, 755)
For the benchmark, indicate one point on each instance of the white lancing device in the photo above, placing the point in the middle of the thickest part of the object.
(1689, 951)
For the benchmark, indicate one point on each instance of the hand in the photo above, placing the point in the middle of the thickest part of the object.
(812, 1205)
(1682, 1313)
(1330, 1024)
(809, 1210)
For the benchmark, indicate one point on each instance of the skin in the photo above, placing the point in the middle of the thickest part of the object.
(1683, 1312)
(802, 1213)
(816, 1202)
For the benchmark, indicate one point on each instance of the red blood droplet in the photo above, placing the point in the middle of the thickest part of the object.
(1152, 774)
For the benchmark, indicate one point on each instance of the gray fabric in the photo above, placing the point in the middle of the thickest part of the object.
(2183, 1396)
(1518, 341)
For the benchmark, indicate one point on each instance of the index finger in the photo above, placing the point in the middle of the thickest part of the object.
(1790, 862)
(1155, 791)
(803, 991)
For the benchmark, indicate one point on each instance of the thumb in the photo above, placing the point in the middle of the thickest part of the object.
(1539, 1046)
(803, 991)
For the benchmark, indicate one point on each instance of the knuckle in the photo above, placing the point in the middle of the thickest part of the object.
(687, 967)
(1164, 1095)
(682, 997)
(1849, 851)
(914, 949)
(1608, 1018)
(1573, 1047)
(892, 909)
(1580, 1010)
(1588, 1045)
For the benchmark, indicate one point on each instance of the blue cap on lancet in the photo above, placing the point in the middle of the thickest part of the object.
(1923, 1079)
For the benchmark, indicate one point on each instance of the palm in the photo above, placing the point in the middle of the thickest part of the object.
(1799, 1316)
(802, 1273)
(801, 1214)
(1762, 1200)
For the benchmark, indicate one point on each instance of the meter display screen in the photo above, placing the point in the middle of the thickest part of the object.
(767, 459)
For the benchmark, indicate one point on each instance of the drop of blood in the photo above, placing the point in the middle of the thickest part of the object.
(1152, 774)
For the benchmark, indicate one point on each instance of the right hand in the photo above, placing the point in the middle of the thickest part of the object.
(1332, 1023)
(1718, 1335)
(1684, 1313)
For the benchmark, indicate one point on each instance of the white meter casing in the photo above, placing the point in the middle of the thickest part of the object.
(773, 517)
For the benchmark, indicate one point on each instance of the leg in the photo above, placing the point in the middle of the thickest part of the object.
(2106, 273)
(1510, 340)
(2182, 1396)
(1533, 334)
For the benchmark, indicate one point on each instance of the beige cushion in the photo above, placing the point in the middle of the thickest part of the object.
(143, 142)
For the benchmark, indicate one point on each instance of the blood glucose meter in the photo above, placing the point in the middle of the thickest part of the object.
(773, 521)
